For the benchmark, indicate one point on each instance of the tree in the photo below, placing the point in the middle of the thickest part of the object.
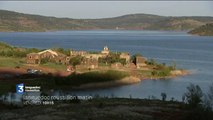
(198, 104)
(209, 98)
(75, 60)
(194, 96)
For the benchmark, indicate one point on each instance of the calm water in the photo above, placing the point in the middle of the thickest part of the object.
(189, 52)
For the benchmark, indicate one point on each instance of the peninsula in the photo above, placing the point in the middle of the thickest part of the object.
(204, 30)
(70, 69)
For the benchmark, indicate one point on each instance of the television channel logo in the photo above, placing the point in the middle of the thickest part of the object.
(20, 88)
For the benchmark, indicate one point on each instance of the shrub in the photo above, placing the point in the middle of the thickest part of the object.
(151, 62)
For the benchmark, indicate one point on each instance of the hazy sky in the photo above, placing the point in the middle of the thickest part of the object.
(103, 9)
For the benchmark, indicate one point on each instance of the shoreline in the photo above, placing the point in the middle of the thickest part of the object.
(124, 81)
(131, 79)
(128, 81)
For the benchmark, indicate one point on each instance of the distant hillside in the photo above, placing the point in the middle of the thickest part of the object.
(13, 21)
(204, 30)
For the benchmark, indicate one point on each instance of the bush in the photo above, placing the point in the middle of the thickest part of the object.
(161, 73)
(9, 51)
(151, 62)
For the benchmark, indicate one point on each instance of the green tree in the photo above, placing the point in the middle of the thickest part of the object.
(194, 96)
(75, 60)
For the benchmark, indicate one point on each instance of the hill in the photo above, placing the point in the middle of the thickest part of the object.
(204, 30)
(14, 21)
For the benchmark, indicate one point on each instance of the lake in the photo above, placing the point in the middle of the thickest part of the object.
(194, 53)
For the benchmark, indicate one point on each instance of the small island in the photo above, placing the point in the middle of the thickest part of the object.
(60, 68)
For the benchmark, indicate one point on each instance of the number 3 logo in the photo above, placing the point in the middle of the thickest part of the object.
(20, 88)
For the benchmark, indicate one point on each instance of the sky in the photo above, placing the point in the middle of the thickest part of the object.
(105, 9)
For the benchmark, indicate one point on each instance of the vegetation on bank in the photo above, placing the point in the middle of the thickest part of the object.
(11, 51)
(160, 69)
(90, 77)
(204, 30)
(49, 81)
(11, 62)
(7, 50)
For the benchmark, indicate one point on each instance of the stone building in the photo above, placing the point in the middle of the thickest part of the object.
(125, 56)
(50, 55)
(105, 51)
(77, 53)
(91, 63)
(140, 61)
(88, 64)
(33, 58)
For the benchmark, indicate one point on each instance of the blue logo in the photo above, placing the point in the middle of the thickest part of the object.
(20, 88)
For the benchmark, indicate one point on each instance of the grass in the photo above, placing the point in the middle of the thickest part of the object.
(10, 61)
(147, 73)
(54, 66)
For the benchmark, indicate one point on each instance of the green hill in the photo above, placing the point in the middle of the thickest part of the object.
(204, 30)
(13, 21)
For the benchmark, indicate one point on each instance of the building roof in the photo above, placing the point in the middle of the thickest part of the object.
(49, 50)
(125, 54)
(33, 54)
